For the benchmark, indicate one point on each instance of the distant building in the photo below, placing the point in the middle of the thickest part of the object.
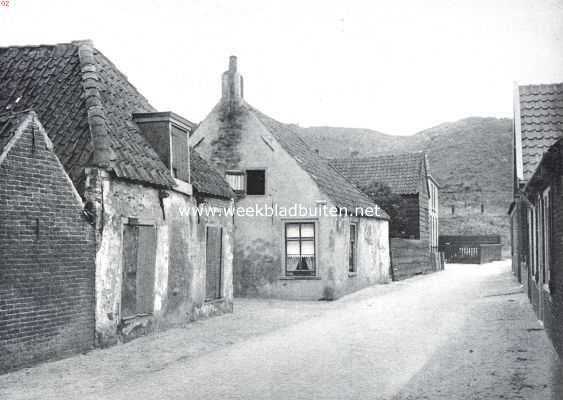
(268, 164)
(152, 265)
(537, 210)
(414, 248)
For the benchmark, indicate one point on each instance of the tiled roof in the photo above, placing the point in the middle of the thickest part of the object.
(8, 125)
(82, 99)
(401, 172)
(541, 122)
(206, 179)
(343, 193)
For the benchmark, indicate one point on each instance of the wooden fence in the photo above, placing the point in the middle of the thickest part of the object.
(411, 257)
(471, 249)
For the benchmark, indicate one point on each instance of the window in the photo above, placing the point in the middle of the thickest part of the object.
(482, 208)
(300, 249)
(139, 260)
(453, 210)
(531, 243)
(533, 249)
(256, 182)
(352, 249)
(539, 237)
(236, 180)
(546, 235)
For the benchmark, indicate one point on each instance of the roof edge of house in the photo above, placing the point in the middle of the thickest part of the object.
(97, 120)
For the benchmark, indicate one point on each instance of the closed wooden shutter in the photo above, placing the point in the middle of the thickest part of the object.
(180, 155)
(213, 261)
(139, 260)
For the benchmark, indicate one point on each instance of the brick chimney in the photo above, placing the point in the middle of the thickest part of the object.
(232, 83)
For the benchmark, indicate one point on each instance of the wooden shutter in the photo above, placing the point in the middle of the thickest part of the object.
(180, 155)
(139, 260)
(129, 284)
(213, 262)
(146, 262)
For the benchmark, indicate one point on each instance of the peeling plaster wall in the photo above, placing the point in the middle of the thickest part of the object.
(179, 287)
(259, 256)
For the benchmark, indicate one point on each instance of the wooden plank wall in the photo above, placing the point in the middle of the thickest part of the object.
(410, 257)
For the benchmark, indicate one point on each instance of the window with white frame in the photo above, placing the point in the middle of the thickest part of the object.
(539, 237)
(531, 242)
(300, 249)
(546, 204)
(236, 180)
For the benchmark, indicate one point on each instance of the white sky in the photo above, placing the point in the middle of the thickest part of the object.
(396, 66)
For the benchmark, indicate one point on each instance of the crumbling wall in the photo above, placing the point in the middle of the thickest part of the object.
(179, 287)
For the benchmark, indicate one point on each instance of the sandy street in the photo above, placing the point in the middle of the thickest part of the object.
(465, 333)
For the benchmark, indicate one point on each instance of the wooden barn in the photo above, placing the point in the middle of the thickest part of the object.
(414, 247)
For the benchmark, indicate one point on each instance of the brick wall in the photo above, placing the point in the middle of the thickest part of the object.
(550, 301)
(554, 304)
(47, 255)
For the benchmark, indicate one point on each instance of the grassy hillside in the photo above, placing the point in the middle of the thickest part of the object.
(470, 158)
(471, 154)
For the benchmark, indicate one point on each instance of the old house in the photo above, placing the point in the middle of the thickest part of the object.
(414, 247)
(319, 236)
(537, 210)
(132, 167)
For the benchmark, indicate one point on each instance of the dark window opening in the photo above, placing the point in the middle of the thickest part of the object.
(482, 208)
(453, 210)
(256, 182)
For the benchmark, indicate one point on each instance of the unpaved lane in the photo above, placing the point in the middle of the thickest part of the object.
(458, 334)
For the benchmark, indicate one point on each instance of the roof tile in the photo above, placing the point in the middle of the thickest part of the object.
(541, 122)
(401, 172)
(206, 179)
(343, 193)
(48, 79)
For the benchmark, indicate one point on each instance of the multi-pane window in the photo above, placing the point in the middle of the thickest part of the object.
(300, 249)
(352, 248)
(546, 203)
(236, 180)
(256, 182)
(531, 240)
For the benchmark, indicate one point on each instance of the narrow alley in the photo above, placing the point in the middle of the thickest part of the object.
(465, 333)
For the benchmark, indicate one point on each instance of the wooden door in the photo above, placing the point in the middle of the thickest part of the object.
(139, 260)
(213, 262)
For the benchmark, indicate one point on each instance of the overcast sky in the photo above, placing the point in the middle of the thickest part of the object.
(394, 66)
